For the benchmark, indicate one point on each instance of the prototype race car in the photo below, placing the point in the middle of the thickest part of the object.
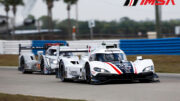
(103, 64)
(46, 64)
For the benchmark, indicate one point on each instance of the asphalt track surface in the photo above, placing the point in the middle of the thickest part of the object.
(14, 82)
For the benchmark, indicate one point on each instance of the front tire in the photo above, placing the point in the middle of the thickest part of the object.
(61, 72)
(42, 67)
(88, 73)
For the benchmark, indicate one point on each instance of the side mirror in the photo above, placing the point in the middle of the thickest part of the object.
(139, 58)
(90, 59)
(121, 61)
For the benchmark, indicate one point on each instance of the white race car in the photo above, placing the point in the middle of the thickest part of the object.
(103, 64)
(46, 64)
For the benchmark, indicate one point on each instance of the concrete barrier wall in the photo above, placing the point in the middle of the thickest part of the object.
(1, 47)
(12, 47)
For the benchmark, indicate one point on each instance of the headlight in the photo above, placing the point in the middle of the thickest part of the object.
(149, 68)
(101, 70)
(53, 61)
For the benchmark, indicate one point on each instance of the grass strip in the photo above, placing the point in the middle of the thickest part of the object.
(10, 97)
(163, 63)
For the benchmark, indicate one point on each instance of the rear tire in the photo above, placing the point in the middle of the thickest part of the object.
(23, 70)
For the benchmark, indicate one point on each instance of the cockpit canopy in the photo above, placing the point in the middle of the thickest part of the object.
(52, 52)
(107, 57)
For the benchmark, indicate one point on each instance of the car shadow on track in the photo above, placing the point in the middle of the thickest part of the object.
(112, 82)
(115, 82)
(37, 73)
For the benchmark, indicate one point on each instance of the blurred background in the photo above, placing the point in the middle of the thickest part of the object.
(86, 19)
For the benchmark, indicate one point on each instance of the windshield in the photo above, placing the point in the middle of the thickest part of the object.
(65, 54)
(109, 57)
(54, 53)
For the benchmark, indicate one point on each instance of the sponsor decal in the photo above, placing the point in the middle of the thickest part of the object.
(135, 69)
(38, 66)
(148, 2)
(126, 68)
(115, 68)
(73, 73)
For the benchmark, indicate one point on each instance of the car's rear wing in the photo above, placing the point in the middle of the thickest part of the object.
(45, 47)
(28, 48)
(73, 50)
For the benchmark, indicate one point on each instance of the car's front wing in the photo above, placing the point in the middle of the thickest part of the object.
(129, 76)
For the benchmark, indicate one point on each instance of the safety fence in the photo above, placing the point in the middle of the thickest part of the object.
(164, 46)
